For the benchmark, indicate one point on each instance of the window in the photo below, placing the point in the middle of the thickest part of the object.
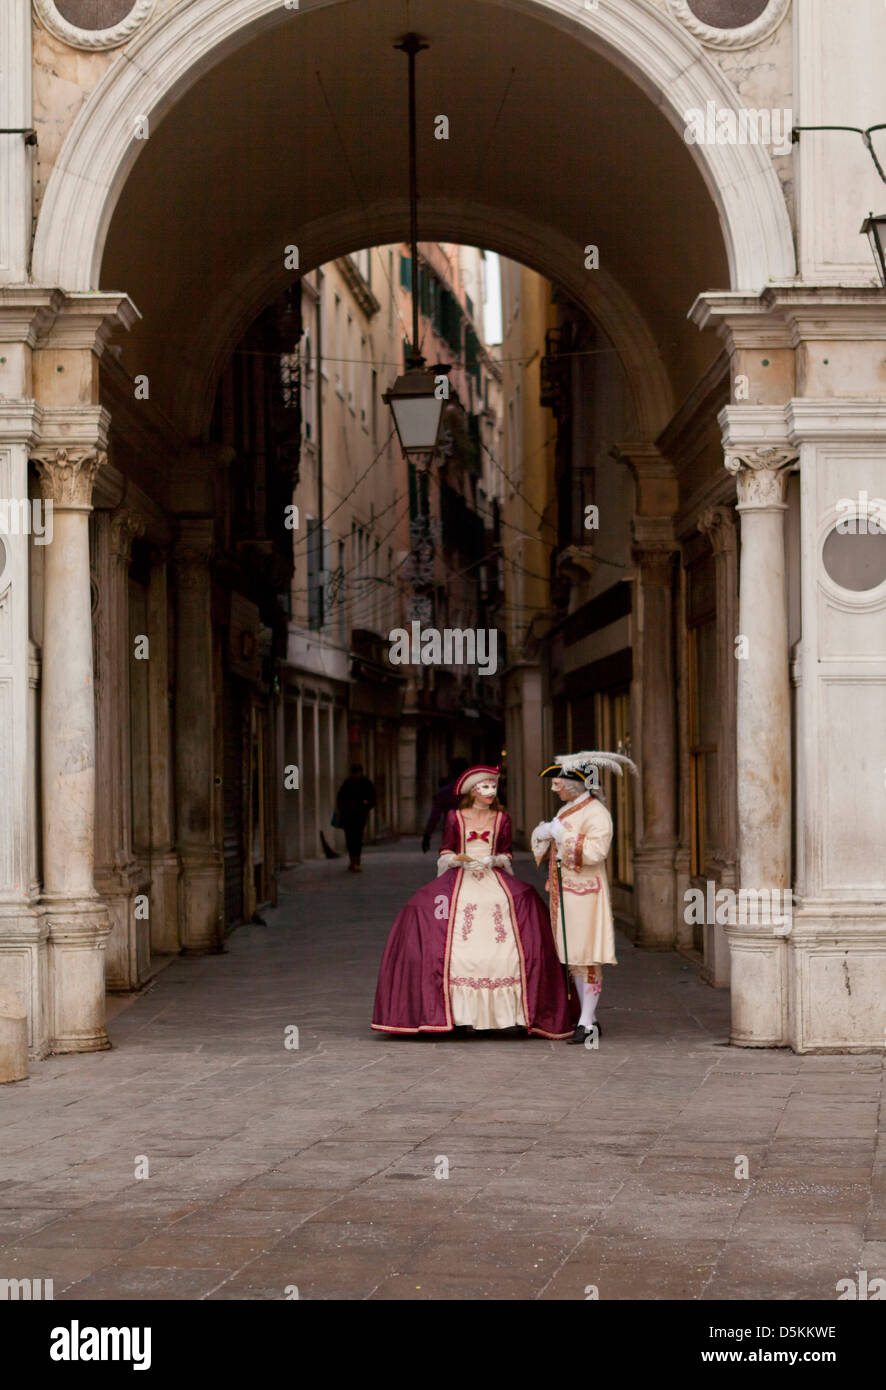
(349, 353)
(390, 290)
(336, 342)
(342, 616)
(615, 721)
(364, 421)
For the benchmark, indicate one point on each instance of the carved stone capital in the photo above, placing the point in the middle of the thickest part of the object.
(192, 553)
(67, 475)
(761, 475)
(656, 565)
(124, 528)
(718, 524)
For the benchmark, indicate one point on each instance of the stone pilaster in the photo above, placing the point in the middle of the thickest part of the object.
(718, 524)
(758, 953)
(77, 919)
(116, 871)
(164, 859)
(16, 155)
(201, 895)
(23, 931)
(654, 883)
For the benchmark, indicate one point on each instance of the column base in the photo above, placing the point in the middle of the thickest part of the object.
(837, 967)
(655, 895)
(759, 988)
(128, 956)
(165, 868)
(78, 932)
(201, 904)
(24, 968)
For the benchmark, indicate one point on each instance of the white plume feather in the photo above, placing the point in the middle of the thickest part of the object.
(587, 760)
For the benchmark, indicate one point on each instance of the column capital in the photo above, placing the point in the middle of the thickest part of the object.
(194, 542)
(718, 524)
(125, 527)
(761, 476)
(654, 548)
(67, 475)
(84, 319)
(656, 566)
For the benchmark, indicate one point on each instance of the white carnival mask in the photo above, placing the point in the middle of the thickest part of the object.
(486, 788)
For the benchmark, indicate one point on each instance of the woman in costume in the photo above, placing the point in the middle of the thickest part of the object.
(473, 947)
(575, 844)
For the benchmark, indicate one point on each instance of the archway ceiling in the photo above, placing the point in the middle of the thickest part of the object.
(545, 136)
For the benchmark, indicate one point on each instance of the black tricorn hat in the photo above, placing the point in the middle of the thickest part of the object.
(555, 770)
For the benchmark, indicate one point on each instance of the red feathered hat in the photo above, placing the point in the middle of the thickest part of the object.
(468, 780)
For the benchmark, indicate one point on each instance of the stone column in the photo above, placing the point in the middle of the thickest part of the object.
(116, 871)
(78, 921)
(654, 860)
(407, 760)
(201, 894)
(164, 859)
(718, 524)
(301, 853)
(763, 736)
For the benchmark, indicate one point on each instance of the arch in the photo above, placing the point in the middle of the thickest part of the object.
(600, 295)
(167, 57)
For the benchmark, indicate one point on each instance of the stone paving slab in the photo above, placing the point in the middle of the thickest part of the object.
(318, 1168)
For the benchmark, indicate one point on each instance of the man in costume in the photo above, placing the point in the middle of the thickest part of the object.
(473, 948)
(575, 844)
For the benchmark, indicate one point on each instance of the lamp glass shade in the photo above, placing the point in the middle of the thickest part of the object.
(875, 229)
(417, 411)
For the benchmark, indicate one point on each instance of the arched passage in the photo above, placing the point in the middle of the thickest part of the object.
(277, 128)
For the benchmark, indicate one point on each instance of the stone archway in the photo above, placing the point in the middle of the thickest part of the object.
(166, 58)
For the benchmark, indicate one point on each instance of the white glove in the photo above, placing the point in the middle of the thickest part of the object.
(488, 861)
(542, 831)
(558, 831)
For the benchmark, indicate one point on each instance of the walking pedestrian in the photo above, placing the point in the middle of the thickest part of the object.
(356, 798)
(575, 844)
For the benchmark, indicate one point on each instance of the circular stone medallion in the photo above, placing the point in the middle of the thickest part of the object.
(93, 23)
(730, 23)
(727, 14)
(94, 14)
(856, 561)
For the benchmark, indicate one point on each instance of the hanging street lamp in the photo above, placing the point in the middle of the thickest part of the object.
(875, 229)
(415, 399)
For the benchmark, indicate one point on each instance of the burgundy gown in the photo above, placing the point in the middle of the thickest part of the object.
(453, 916)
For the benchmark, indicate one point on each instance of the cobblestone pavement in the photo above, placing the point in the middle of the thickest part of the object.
(271, 1167)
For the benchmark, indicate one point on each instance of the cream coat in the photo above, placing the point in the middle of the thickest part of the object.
(590, 936)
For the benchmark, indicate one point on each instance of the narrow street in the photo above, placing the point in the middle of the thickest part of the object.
(320, 1167)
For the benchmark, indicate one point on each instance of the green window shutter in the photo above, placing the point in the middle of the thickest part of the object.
(406, 273)
(424, 298)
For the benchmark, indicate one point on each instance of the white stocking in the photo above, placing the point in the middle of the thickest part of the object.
(580, 986)
(588, 1006)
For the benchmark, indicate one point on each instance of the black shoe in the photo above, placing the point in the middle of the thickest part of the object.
(582, 1034)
